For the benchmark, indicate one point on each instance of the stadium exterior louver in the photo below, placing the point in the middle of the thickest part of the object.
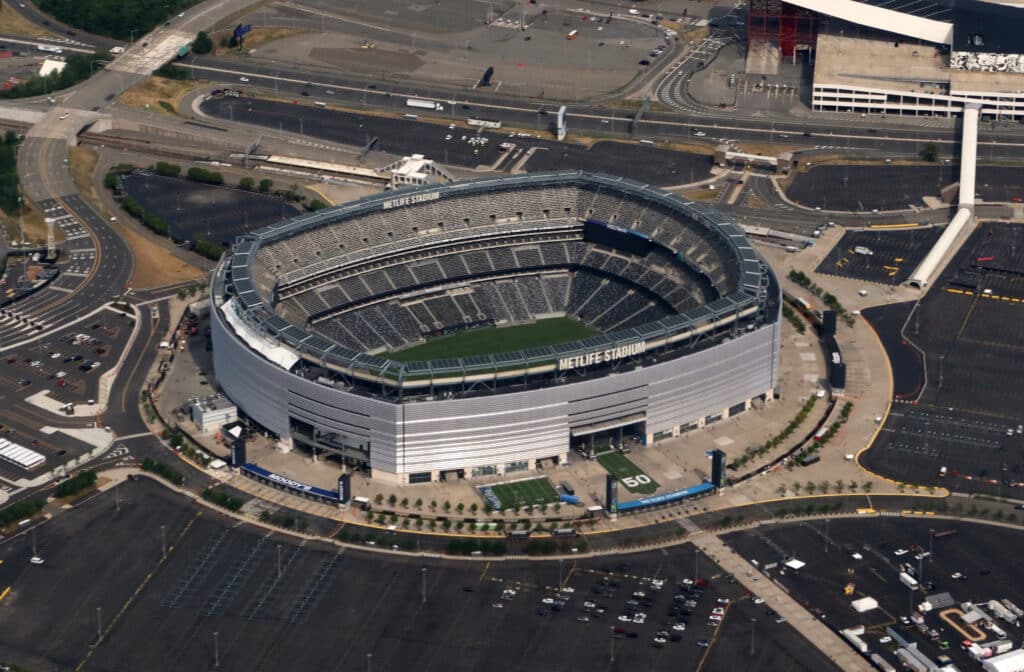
(711, 351)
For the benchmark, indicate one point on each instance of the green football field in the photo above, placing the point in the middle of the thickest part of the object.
(493, 340)
(524, 493)
(627, 473)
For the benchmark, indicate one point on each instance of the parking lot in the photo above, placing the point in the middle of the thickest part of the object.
(68, 363)
(847, 559)
(192, 210)
(893, 187)
(268, 599)
(969, 327)
(882, 256)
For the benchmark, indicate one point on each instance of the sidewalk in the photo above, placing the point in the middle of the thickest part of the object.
(818, 634)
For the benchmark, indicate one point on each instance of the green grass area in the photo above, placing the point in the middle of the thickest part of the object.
(631, 476)
(493, 340)
(534, 491)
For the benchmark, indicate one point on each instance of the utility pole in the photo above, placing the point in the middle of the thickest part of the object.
(369, 662)
(34, 553)
(559, 573)
(696, 558)
(611, 641)
(117, 497)
(99, 623)
(826, 535)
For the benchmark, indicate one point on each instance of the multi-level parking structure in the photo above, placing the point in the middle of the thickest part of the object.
(304, 310)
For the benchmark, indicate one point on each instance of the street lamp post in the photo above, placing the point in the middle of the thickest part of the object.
(369, 662)
(611, 642)
(99, 623)
(753, 627)
(216, 650)
(423, 576)
(163, 540)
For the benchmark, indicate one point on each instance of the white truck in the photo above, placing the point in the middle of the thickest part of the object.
(421, 104)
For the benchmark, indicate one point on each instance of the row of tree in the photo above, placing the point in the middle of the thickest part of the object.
(115, 18)
(9, 173)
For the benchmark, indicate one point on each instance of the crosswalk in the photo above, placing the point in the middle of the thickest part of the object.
(49, 306)
(672, 89)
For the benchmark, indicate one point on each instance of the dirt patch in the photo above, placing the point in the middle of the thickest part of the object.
(154, 266)
(15, 24)
(702, 195)
(83, 165)
(35, 226)
(259, 37)
(159, 93)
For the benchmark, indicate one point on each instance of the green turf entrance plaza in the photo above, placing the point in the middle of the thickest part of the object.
(517, 494)
(631, 476)
(494, 340)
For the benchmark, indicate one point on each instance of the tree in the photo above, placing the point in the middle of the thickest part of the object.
(853, 486)
(823, 487)
(796, 488)
(840, 485)
(246, 183)
(265, 185)
(780, 491)
(868, 485)
(317, 204)
(810, 487)
(202, 44)
(405, 502)
(392, 499)
(473, 508)
(447, 506)
(419, 503)
(460, 507)
(433, 504)
(930, 152)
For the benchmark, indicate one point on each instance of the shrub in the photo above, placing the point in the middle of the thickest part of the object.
(167, 169)
(246, 183)
(164, 471)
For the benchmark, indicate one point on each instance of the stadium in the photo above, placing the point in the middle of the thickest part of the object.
(486, 326)
(903, 57)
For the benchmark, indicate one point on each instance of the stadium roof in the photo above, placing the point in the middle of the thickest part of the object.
(267, 332)
(964, 25)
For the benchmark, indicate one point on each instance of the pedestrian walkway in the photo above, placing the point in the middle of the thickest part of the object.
(816, 632)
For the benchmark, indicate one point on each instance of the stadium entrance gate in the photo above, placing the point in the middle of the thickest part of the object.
(620, 434)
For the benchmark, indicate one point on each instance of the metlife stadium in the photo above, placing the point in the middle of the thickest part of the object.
(305, 310)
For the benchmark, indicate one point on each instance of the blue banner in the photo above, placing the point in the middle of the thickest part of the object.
(276, 479)
(669, 497)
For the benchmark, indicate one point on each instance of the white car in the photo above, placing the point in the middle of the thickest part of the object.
(718, 611)
(724, 600)
(625, 619)
(548, 600)
(36, 560)
(568, 590)
(660, 640)
(589, 605)
(679, 627)
(54, 355)
(758, 600)
(885, 640)
(640, 618)
(498, 605)
(699, 134)
(900, 551)
(64, 115)
(244, 80)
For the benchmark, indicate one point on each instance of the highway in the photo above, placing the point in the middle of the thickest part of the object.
(819, 131)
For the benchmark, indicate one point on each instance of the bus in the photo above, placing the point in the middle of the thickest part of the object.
(484, 123)
(567, 488)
